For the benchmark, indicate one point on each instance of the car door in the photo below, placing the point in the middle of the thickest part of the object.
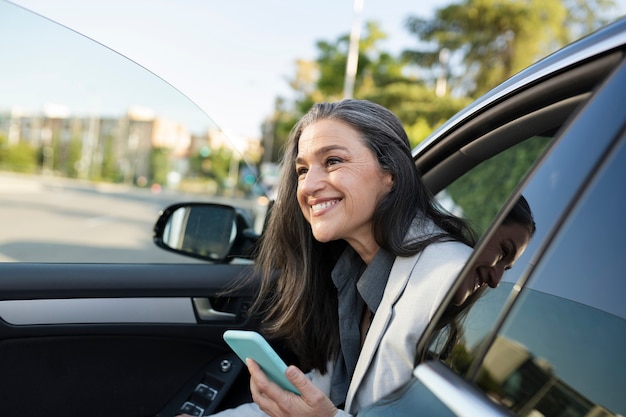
(545, 342)
(94, 318)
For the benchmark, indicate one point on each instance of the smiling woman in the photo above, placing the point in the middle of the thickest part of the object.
(353, 244)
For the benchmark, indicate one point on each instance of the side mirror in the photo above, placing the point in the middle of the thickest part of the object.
(213, 232)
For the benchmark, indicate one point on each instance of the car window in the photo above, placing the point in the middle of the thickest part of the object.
(93, 146)
(561, 350)
(480, 193)
(478, 196)
(464, 331)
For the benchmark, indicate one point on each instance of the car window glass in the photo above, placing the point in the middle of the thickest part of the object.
(93, 146)
(480, 193)
(561, 351)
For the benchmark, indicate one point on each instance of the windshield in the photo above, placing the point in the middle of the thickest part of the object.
(93, 146)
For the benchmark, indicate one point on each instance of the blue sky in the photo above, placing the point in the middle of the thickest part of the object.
(231, 57)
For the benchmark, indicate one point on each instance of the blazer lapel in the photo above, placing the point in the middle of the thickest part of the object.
(398, 278)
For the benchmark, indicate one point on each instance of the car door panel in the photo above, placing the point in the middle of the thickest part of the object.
(123, 340)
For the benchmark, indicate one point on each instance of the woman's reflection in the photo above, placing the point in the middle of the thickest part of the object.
(506, 245)
(499, 254)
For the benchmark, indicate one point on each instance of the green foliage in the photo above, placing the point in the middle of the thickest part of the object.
(74, 149)
(17, 158)
(482, 191)
(417, 106)
(380, 78)
(494, 39)
(460, 358)
(66, 155)
(109, 169)
(214, 167)
(159, 165)
(487, 42)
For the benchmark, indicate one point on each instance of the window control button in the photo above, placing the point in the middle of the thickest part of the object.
(191, 409)
(205, 391)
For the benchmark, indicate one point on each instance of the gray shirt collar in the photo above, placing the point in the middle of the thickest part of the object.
(357, 284)
(371, 279)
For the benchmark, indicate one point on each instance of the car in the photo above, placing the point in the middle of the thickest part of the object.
(549, 340)
(144, 337)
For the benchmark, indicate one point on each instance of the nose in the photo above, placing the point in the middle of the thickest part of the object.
(312, 182)
(495, 275)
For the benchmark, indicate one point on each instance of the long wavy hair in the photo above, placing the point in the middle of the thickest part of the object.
(297, 300)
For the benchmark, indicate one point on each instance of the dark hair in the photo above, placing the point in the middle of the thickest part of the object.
(301, 302)
(521, 214)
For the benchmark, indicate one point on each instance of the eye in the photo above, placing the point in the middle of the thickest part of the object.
(333, 161)
(505, 251)
(301, 171)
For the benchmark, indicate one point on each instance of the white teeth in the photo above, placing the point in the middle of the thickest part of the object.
(322, 206)
(477, 283)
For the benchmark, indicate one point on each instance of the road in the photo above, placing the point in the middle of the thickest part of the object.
(45, 219)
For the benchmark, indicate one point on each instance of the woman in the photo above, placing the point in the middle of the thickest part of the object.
(355, 259)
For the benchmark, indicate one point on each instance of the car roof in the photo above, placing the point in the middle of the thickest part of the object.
(602, 41)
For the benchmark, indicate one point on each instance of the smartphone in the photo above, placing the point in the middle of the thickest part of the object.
(249, 344)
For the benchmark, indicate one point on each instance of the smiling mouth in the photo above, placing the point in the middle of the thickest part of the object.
(321, 206)
(478, 282)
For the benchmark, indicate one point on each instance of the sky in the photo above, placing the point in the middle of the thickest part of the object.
(232, 58)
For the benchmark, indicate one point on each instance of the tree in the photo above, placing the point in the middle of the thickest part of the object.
(159, 165)
(380, 78)
(20, 157)
(491, 40)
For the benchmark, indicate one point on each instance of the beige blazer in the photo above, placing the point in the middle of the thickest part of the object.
(415, 288)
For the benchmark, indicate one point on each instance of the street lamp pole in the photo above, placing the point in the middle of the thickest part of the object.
(353, 51)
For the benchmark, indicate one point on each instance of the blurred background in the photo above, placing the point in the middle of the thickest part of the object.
(241, 64)
(210, 90)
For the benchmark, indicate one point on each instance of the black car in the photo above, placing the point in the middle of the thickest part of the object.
(143, 336)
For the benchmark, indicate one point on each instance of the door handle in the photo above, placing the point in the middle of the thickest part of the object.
(206, 311)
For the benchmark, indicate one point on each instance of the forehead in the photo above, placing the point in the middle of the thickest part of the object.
(515, 232)
(328, 132)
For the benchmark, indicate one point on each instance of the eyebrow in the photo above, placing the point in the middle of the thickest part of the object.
(322, 151)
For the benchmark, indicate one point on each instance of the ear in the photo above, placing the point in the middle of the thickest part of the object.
(388, 181)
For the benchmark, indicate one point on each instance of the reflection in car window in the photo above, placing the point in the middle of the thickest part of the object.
(561, 351)
(478, 196)
(472, 301)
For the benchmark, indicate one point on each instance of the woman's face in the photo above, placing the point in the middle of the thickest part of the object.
(339, 184)
(505, 247)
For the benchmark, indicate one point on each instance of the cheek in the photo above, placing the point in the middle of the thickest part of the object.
(304, 208)
(489, 257)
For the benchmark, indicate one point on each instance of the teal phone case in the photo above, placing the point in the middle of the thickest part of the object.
(249, 344)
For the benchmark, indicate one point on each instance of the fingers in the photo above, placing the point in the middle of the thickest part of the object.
(318, 404)
(298, 379)
(264, 392)
(275, 401)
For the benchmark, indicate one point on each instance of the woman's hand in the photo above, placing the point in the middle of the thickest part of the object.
(277, 402)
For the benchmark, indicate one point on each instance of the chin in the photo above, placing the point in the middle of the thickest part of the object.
(323, 239)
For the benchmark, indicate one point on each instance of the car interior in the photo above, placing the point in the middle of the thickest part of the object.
(145, 339)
